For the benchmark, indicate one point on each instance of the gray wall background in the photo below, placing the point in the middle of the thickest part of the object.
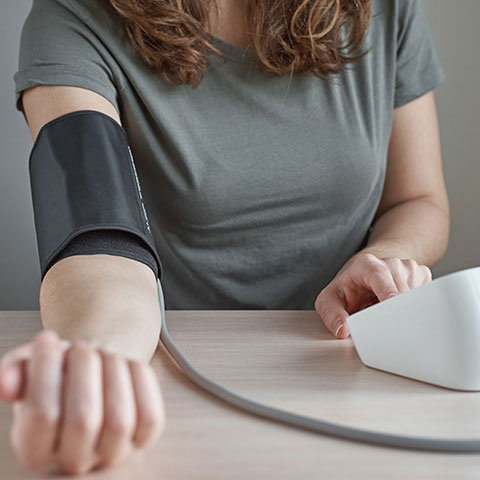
(455, 29)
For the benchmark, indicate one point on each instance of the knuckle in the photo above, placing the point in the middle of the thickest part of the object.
(322, 296)
(395, 264)
(82, 423)
(331, 290)
(322, 293)
(46, 337)
(47, 355)
(410, 264)
(318, 306)
(427, 271)
(151, 425)
(41, 416)
(84, 346)
(395, 260)
(109, 461)
(83, 352)
(152, 419)
(370, 257)
(119, 425)
(376, 267)
(80, 348)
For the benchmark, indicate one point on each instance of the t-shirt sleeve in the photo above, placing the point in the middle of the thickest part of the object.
(418, 67)
(58, 48)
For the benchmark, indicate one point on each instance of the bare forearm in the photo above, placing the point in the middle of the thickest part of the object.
(417, 229)
(107, 300)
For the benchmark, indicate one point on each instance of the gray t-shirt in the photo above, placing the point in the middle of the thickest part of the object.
(258, 188)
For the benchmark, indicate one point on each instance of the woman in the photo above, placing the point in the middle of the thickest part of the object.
(265, 179)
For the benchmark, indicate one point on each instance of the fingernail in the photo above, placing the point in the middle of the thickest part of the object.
(391, 295)
(340, 325)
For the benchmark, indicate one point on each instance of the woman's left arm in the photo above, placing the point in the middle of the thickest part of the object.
(411, 226)
(413, 218)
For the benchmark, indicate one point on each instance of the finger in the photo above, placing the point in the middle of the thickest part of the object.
(12, 377)
(119, 418)
(428, 273)
(401, 271)
(37, 416)
(149, 402)
(13, 368)
(376, 276)
(82, 411)
(332, 310)
(21, 352)
(422, 274)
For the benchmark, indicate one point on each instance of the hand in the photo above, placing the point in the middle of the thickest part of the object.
(78, 406)
(363, 281)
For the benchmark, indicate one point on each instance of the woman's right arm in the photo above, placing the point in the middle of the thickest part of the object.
(105, 311)
(108, 300)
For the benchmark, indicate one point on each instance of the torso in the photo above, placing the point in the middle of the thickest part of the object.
(258, 187)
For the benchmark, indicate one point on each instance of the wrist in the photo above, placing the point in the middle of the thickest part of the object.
(113, 305)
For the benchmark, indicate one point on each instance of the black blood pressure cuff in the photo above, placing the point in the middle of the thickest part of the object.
(112, 242)
(83, 178)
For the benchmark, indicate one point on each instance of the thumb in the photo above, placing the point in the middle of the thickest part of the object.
(11, 379)
(13, 371)
(332, 311)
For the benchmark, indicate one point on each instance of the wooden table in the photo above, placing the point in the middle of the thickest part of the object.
(289, 360)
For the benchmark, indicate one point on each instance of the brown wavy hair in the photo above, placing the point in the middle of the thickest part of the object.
(288, 36)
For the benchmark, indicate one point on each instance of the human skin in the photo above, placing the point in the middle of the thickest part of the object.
(84, 395)
(106, 307)
(411, 226)
(86, 326)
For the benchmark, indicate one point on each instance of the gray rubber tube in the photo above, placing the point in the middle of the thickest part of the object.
(301, 421)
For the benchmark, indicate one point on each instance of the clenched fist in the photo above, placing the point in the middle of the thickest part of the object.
(78, 406)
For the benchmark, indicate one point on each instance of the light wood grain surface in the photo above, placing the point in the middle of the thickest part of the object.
(289, 360)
